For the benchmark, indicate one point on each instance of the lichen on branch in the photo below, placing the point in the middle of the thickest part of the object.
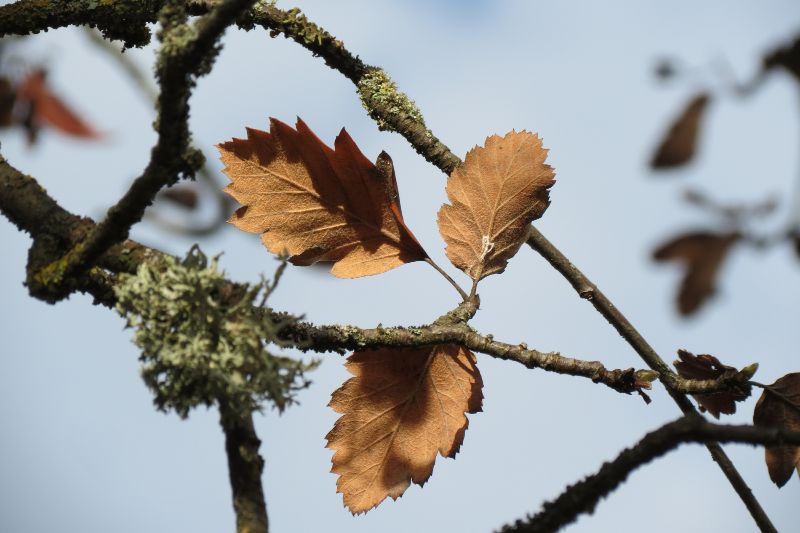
(126, 21)
(202, 341)
(378, 91)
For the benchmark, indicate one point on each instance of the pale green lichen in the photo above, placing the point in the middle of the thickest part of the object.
(198, 349)
(293, 23)
(176, 33)
(380, 97)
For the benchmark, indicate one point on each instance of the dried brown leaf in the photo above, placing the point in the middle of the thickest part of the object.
(678, 145)
(398, 410)
(318, 204)
(501, 188)
(706, 366)
(703, 253)
(47, 109)
(779, 406)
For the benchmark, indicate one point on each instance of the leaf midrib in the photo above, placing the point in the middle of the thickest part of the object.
(394, 239)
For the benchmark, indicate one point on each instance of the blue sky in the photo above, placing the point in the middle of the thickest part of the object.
(84, 450)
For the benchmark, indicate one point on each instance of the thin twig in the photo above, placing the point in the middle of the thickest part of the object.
(740, 89)
(276, 278)
(707, 386)
(474, 289)
(794, 206)
(145, 85)
(138, 76)
(588, 291)
(392, 110)
(582, 497)
(446, 276)
(322, 338)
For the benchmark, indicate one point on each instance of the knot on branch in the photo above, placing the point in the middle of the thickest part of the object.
(202, 340)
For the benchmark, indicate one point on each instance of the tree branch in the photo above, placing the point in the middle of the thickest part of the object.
(32, 210)
(142, 79)
(338, 338)
(245, 467)
(124, 20)
(733, 383)
(589, 291)
(582, 497)
(412, 126)
(186, 52)
(389, 107)
(28, 206)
